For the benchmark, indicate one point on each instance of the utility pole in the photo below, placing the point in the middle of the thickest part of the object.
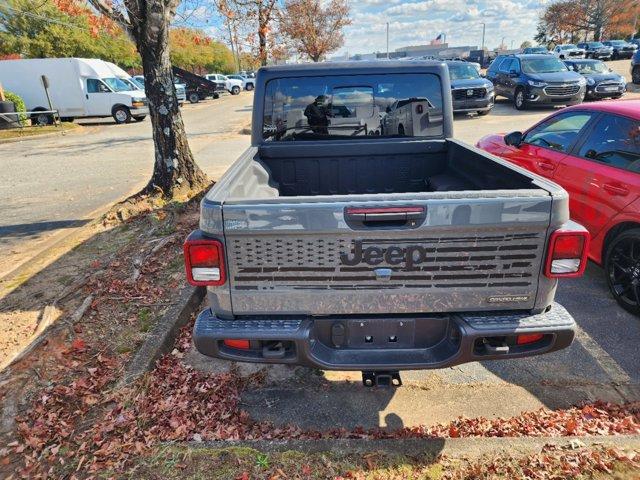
(502, 43)
(484, 26)
(387, 40)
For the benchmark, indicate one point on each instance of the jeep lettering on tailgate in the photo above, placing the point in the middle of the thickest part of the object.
(394, 255)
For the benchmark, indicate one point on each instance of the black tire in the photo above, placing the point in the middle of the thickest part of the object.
(140, 118)
(42, 119)
(401, 130)
(235, 90)
(519, 100)
(635, 75)
(194, 97)
(622, 269)
(121, 114)
(615, 56)
(483, 113)
(561, 57)
(617, 97)
(249, 87)
(216, 96)
(66, 119)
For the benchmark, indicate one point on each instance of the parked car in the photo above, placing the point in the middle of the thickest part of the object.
(469, 91)
(531, 80)
(233, 86)
(597, 50)
(635, 68)
(621, 48)
(568, 50)
(593, 151)
(198, 87)
(636, 42)
(345, 251)
(602, 82)
(538, 50)
(248, 84)
(412, 117)
(181, 88)
(79, 88)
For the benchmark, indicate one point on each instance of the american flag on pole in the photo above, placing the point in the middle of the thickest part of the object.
(437, 40)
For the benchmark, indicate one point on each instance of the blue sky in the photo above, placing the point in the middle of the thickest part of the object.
(413, 22)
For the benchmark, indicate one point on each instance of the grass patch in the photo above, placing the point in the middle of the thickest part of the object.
(145, 319)
(33, 131)
(174, 462)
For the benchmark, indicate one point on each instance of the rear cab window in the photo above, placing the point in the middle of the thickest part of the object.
(353, 106)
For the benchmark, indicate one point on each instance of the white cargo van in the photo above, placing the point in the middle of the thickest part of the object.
(78, 87)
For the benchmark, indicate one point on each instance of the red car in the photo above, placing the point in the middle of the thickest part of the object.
(593, 151)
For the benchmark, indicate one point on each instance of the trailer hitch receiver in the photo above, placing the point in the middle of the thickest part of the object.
(381, 378)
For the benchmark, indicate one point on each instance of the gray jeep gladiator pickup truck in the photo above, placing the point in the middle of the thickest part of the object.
(343, 239)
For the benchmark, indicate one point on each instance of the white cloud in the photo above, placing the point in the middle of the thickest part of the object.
(418, 21)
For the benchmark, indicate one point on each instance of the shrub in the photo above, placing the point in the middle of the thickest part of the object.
(19, 103)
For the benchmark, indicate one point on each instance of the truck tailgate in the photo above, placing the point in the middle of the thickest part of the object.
(467, 252)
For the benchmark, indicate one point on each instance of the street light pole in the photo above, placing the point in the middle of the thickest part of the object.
(484, 26)
(387, 40)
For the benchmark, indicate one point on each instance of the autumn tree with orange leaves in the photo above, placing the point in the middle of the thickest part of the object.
(577, 20)
(254, 20)
(315, 27)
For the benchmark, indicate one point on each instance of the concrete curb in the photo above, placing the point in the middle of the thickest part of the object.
(451, 447)
(163, 335)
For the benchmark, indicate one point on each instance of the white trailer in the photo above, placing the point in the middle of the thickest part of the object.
(78, 87)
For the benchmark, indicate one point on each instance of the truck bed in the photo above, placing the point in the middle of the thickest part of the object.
(292, 245)
(435, 166)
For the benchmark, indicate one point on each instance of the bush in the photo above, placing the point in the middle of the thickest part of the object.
(19, 103)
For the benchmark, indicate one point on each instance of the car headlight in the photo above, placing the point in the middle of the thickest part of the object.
(582, 82)
(535, 83)
(591, 81)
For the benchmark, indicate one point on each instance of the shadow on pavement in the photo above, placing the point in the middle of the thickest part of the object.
(602, 362)
(29, 229)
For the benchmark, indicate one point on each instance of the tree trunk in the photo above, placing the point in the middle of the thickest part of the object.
(175, 172)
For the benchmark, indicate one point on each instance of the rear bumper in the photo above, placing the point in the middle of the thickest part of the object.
(425, 342)
(140, 111)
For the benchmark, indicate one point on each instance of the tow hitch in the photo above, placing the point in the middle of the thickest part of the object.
(381, 378)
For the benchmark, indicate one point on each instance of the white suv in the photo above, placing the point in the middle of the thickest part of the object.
(568, 51)
(233, 86)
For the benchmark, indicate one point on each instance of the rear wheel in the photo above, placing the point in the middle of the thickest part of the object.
(249, 87)
(194, 97)
(216, 96)
(235, 90)
(519, 100)
(482, 113)
(42, 119)
(140, 118)
(121, 114)
(635, 75)
(622, 267)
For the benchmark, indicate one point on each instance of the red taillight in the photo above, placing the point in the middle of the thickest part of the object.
(239, 344)
(529, 338)
(419, 109)
(204, 262)
(567, 256)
